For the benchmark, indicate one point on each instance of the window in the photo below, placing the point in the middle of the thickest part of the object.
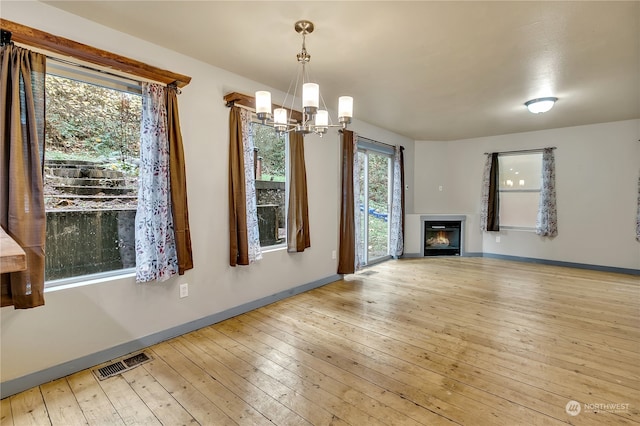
(270, 171)
(91, 167)
(520, 183)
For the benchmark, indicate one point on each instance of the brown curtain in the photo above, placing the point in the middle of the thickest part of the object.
(238, 238)
(493, 207)
(347, 249)
(298, 214)
(178, 179)
(22, 214)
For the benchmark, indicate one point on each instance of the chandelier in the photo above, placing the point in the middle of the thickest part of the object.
(314, 119)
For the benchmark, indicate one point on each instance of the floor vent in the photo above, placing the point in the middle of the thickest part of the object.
(369, 272)
(121, 366)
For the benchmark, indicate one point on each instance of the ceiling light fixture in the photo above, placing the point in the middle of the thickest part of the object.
(540, 105)
(314, 119)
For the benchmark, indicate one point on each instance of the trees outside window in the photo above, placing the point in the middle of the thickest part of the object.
(91, 169)
(271, 177)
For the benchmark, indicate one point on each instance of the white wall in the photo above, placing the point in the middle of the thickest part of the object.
(82, 320)
(597, 170)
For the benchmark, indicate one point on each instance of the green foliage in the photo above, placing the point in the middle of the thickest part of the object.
(271, 148)
(85, 120)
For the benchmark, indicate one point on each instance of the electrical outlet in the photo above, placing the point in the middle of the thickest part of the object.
(184, 290)
(440, 188)
(497, 238)
(333, 254)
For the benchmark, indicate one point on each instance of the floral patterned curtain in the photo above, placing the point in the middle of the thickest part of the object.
(638, 215)
(357, 213)
(547, 220)
(396, 238)
(156, 257)
(253, 233)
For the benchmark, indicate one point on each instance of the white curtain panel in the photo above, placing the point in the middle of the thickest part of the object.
(156, 257)
(253, 233)
(547, 220)
(396, 242)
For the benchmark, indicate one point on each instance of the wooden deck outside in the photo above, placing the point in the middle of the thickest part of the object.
(435, 341)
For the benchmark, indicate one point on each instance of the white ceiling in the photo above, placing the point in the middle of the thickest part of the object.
(426, 70)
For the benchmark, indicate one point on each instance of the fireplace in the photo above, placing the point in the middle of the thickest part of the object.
(443, 235)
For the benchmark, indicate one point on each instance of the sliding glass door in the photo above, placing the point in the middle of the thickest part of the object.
(375, 204)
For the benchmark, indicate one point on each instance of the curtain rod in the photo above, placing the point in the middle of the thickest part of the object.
(375, 142)
(520, 151)
(112, 74)
(87, 67)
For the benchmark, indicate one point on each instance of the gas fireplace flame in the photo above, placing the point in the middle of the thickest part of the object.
(440, 239)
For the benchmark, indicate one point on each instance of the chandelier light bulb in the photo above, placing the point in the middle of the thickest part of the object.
(345, 106)
(280, 116)
(310, 95)
(322, 118)
(263, 102)
(540, 105)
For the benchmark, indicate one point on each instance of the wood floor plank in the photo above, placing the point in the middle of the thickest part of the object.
(465, 400)
(465, 367)
(192, 400)
(6, 418)
(291, 397)
(423, 341)
(61, 403)
(336, 397)
(321, 371)
(461, 333)
(199, 350)
(238, 374)
(131, 409)
(95, 404)
(157, 398)
(27, 408)
(232, 405)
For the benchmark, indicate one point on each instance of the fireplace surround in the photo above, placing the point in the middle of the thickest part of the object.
(442, 235)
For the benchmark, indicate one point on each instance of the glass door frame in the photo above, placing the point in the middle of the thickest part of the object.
(387, 151)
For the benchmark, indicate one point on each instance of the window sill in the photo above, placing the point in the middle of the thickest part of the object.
(278, 247)
(67, 283)
(518, 228)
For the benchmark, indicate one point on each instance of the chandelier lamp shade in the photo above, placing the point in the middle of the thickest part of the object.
(315, 116)
(540, 105)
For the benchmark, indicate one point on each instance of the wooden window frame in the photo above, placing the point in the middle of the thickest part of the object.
(42, 40)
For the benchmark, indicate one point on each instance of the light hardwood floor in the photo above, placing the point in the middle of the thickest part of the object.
(433, 341)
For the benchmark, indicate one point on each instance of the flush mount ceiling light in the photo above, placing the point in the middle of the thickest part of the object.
(540, 105)
(314, 119)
